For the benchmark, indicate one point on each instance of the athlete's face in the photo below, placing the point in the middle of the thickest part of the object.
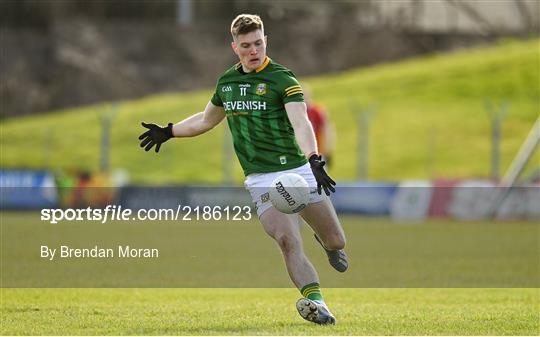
(251, 49)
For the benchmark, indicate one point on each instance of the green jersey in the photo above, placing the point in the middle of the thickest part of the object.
(254, 104)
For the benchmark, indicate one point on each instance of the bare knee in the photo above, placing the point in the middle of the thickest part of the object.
(287, 242)
(335, 241)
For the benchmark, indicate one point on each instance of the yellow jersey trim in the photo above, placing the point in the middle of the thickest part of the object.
(294, 92)
(293, 87)
(265, 63)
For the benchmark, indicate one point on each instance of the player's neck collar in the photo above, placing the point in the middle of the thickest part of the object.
(258, 70)
(264, 65)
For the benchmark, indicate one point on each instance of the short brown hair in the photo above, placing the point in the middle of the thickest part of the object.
(246, 23)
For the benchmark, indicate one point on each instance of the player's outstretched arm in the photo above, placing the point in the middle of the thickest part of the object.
(200, 122)
(297, 113)
(192, 126)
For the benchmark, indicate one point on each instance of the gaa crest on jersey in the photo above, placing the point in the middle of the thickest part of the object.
(261, 89)
(265, 197)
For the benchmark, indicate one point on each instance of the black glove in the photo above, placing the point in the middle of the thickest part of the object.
(156, 135)
(323, 180)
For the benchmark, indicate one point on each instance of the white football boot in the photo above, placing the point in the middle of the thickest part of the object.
(315, 311)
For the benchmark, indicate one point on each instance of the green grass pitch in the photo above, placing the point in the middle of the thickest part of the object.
(260, 299)
(268, 312)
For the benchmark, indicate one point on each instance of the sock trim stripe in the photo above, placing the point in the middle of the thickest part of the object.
(307, 293)
(310, 285)
(311, 289)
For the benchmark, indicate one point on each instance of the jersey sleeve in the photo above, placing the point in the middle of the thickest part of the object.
(291, 89)
(216, 100)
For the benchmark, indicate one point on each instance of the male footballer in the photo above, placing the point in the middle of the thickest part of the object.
(265, 110)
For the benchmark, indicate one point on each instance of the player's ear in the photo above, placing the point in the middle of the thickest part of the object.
(234, 47)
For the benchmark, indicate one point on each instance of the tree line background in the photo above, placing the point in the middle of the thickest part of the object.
(58, 54)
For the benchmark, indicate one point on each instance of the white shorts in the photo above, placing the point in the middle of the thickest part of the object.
(258, 184)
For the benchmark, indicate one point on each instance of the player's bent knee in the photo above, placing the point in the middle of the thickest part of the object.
(287, 242)
(336, 242)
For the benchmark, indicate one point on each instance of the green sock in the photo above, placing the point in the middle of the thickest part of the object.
(312, 291)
